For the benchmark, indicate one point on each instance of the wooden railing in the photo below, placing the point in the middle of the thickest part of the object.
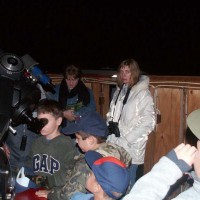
(174, 97)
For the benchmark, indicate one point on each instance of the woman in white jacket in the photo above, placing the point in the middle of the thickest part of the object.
(131, 117)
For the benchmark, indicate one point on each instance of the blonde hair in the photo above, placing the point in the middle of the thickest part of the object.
(134, 69)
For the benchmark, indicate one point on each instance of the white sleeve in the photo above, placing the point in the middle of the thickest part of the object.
(155, 184)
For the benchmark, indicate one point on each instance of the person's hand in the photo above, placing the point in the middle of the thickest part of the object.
(6, 150)
(197, 160)
(42, 193)
(69, 115)
(186, 152)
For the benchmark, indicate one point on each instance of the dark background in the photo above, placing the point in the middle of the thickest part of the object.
(163, 37)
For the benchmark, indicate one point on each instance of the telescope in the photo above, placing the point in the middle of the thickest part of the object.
(19, 95)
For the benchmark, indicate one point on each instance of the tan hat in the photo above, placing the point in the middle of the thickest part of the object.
(193, 122)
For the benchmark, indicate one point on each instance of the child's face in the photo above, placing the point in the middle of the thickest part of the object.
(51, 128)
(83, 144)
(91, 182)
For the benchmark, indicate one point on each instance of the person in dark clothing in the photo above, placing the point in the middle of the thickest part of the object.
(73, 96)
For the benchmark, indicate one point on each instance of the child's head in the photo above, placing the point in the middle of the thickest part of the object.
(90, 131)
(88, 142)
(193, 122)
(109, 176)
(47, 106)
(50, 111)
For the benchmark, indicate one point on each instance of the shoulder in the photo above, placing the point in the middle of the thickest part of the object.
(39, 139)
(142, 84)
(141, 90)
(38, 142)
(144, 78)
(50, 95)
(110, 149)
(80, 164)
(57, 88)
(64, 139)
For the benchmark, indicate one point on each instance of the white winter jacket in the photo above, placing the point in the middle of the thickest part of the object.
(136, 119)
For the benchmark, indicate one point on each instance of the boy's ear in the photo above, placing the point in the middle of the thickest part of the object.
(91, 139)
(59, 121)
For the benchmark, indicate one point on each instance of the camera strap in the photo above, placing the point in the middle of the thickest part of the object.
(124, 101)
(23, 140)
(119, 93)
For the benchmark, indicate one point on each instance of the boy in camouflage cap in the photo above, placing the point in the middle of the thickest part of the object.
(91, 134)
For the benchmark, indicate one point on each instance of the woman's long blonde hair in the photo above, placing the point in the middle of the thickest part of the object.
(134, 69)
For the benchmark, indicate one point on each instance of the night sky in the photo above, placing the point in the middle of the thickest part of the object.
(164, 38)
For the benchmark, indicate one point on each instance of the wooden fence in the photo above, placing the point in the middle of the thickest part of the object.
(174, 97)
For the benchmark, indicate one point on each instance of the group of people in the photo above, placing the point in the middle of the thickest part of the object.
(80, 155)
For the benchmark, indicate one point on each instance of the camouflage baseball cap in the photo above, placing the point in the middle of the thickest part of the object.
(193, 122)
